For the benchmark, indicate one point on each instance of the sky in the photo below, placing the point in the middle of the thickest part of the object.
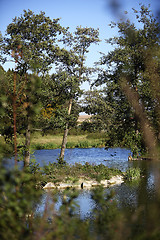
(73, 13)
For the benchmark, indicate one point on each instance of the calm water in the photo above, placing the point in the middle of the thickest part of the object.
(113, 157)
(127, 195)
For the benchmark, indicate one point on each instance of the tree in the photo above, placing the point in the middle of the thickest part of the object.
(56, 92)
(2, 59)
(73, 63)
(95, 104)
(31, 40)
(128, 74)
(16, 105)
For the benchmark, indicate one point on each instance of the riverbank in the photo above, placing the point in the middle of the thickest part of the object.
(86, 184)
(73, 141)
(54, 141)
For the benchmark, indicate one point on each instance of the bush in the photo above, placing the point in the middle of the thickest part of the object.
(19, 197)
(83, 144)
(70, 145)
(133, 173)
(39, 146)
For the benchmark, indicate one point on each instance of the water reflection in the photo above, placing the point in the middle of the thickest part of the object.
(127, 195)
(84, 202)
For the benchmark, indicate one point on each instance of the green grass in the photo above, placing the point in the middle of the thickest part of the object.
(57, 173)
(73, 141)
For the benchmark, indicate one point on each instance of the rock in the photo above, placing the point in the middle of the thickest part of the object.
(116, 180)
(94, 184)
(104, 183)
(86, 184)
(68, 185)
(49, 185)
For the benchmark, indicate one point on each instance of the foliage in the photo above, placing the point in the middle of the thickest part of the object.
(35, 36)
(49, 141)
(97, 135)
(73, 67)
(31, 40)
(19, 199)
(95, 104)
(133, 174)
(108, 220)
(2, 59)
(56, 90)
(57, 172)
(137, 49)
(27, 104)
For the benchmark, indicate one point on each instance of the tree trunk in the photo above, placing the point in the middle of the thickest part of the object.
(27, 146)
(64, 141)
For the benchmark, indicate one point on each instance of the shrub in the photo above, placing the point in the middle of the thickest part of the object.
(133, 173)
(83, 144)
(70, 145)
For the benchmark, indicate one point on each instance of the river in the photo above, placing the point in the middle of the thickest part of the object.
(126, 194)
(113, 157)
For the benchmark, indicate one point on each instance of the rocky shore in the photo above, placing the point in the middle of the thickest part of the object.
(82, 183)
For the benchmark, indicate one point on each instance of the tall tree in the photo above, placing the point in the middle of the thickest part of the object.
(34, 37)
(127, 74)
(73, 62)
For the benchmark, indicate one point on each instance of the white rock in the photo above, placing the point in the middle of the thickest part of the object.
(104, 183)
(86, 184)
(65, 185)
(93, 184)
(49, 185)
(116, 180)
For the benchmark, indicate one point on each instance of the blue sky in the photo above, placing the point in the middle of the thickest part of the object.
(90, 13)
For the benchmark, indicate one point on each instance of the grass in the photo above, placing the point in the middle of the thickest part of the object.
(73, 141)
(57, 173)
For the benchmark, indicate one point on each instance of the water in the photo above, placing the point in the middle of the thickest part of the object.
(128, 195)
(113, 157)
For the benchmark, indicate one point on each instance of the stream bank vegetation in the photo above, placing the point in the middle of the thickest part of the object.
(54, 172)
(77, 140)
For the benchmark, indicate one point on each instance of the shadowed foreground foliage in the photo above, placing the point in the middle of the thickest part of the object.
(21, 193)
